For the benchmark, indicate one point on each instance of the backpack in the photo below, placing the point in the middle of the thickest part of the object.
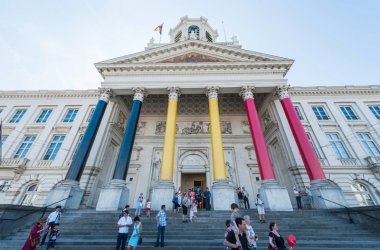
(240, 195)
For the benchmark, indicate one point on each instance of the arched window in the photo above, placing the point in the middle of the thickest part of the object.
(362, 194)
(30, 195)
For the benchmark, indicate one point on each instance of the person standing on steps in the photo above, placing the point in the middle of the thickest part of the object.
(207, 195)
(161, 224)
(240, 197)
(297, 194)
(148, 206)
(136, 234)
(260, 208)
(33, 239)
(123, 224)
(139, 204)
(310, 197)
(245, 198)
(52, 220)
(242, 242)
(276, 242)
(251, 235)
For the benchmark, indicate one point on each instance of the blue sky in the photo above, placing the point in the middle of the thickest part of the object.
(54, 44)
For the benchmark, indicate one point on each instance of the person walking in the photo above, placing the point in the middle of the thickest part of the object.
(297, 194)
(52, 220)
(207, 195)
(276, 242)
(139, 204)
(123, 224)
(242, 242)
(161, 224)
(134, 241)
(148, 206)
(33, 239)
(53, 237)
(310, 196)
(245, 198)
(251, 235)
(260, 208)
(175, 203)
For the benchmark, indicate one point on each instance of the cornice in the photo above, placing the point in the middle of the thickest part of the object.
(335, 90)
(37, 94)
(158, 68)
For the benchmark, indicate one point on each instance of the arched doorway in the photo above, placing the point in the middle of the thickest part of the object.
(193, 170)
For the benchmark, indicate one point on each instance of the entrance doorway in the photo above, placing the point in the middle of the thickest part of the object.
(191, 180)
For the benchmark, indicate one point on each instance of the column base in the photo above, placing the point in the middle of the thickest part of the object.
(327, 190)
(113, 197)
(162, 194)
(223, 194)
(66, 189)
(275, 196)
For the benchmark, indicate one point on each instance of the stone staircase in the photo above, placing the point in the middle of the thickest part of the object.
(314, 229)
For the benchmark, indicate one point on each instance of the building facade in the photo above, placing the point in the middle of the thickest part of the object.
(191, 113)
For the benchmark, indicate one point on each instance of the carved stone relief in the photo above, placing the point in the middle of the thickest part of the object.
(156, 164)
(245, 127)
(267, 118)
(229, 156)
(192, 57)
(194, 128)
(140, 128)
(251, 152)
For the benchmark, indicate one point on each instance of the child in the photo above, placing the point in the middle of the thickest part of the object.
(53, 237)
(234, 215)
(184, 211)
(148, 206)
(227, 230)
(191, 212)
(195, 208)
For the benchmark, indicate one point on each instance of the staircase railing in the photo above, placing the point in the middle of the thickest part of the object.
(349, 210)
(36, 211)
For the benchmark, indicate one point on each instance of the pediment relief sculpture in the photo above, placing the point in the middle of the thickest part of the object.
(192, 57)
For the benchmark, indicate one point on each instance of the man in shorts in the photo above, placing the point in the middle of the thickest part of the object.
(260, 208)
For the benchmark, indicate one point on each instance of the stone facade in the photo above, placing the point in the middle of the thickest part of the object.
(349, 157)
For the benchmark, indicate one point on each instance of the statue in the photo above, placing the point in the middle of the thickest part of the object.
(193, 35)
(156, 170)
(230, 172)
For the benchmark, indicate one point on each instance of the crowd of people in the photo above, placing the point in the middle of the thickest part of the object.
(239, 233)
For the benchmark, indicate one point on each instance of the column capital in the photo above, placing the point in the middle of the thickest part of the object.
(212, 92)
(247, 92)
(140, 93)
(105, 94)
(282, 92)
(173, 93)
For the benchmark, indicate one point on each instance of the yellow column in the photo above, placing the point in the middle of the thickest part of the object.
(218, 163)
(170, 133)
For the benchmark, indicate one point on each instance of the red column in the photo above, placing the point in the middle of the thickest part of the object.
(262, 155)
(313, 168)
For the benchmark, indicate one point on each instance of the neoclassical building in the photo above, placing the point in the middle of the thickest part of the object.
(191, 113)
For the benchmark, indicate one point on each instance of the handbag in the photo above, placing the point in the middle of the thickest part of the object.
(139, 242)
(34, 242)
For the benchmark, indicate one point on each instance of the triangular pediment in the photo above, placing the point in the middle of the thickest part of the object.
(193, 57)
(193, 51)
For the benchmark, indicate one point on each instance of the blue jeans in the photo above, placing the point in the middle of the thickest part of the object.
(160, 231)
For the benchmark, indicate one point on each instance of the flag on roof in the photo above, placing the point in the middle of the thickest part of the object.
(159, 28)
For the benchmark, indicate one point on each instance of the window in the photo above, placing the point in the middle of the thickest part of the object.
(45, 113)
(313, 145)
(17, 116)
(298, 111)
(369, 144)
(90, 115)
(25, 146)
(70, 115)
(54, 147)
(4, 138)
(362, 194)
(376, 111)
(77, 146)
(320, 113)
(30, 195)
(349, 113)
(178, 37)
(339, 149)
